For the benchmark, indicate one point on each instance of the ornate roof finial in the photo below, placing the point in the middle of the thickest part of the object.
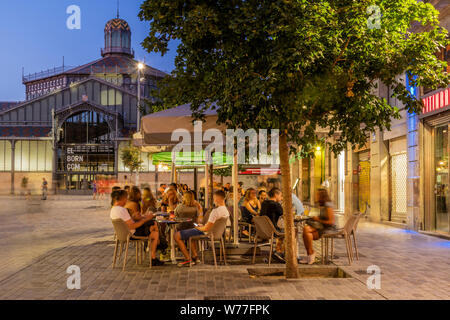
(117, 9)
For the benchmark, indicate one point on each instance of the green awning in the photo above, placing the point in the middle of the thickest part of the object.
(190, 158)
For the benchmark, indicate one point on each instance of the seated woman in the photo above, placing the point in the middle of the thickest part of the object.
(142, 227)
(148, 201)
(187, 209)
(251, 206)
(170, 201)
(199, 207)
(316, 226)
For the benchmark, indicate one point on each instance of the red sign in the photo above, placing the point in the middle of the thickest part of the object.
(436, 101)
(260, 171)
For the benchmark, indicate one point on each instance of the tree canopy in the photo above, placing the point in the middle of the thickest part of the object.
(297, 66)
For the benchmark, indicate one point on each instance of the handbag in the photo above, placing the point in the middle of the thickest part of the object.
(315, 224)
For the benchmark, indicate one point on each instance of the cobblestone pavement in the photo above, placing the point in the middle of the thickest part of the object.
(40, 240)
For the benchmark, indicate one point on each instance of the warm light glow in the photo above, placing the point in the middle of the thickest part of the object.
(140, 66)
(441, 163)
(318, 148)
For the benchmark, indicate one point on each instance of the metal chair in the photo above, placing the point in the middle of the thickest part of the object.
(265, 231)
(215, 234)
(124, 237)
(343, 233)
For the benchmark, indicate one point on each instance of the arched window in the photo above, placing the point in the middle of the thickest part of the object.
(116, 39)
(86, 127)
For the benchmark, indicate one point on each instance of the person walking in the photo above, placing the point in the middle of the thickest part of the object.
(44, 188)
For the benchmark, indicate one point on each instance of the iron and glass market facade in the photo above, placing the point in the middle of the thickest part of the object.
(75, 120)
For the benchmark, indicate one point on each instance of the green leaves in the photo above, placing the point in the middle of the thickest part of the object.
(300, 66)
(131, 158)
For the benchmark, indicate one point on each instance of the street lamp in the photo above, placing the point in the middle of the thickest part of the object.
(140, 67)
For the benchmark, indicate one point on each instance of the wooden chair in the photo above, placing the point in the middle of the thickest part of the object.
(265, 231)
(214, 235)
(124, 238)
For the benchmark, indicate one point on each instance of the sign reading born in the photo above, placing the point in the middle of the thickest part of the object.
(73, 161)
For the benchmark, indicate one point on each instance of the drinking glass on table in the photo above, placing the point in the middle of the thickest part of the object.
(306, 212)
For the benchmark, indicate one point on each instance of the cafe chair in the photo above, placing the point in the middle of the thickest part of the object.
(242, 225)
(124, 238)
(214, 235)
(345, 233)
(265, 231)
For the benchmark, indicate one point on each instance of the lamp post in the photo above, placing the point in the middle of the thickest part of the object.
(140, 67)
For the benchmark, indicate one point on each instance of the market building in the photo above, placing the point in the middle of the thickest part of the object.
(75, 120)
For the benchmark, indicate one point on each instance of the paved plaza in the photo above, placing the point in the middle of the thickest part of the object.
(40, 239)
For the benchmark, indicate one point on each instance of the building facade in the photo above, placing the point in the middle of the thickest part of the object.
(402, 174)
(74, 121)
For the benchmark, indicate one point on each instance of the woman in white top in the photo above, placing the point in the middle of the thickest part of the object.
(144, 227)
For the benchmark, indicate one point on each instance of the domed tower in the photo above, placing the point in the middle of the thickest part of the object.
(117, 38)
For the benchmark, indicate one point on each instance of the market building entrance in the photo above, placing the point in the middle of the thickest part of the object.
(86, 150)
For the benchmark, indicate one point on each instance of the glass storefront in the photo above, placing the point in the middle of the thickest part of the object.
(441, 188)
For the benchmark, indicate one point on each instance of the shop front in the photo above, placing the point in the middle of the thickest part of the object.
(435, 153)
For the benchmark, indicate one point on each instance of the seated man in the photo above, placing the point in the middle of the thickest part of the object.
(217, 213)
(145, 227)
(272, 208)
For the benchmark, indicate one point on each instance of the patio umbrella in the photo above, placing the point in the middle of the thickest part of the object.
(156, 136)
(157, 128)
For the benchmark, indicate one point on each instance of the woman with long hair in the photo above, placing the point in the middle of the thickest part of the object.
(134, 203)
(251, 205)
(316, 226)
(148, 200)
(187, 209)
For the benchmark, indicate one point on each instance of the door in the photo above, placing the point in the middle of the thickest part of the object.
(341, 181)
(399, 163)
(441, 179)
(364, 181)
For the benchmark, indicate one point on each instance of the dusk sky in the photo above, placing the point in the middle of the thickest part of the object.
(34, 36)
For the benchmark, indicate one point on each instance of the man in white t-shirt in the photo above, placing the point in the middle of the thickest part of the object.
(219, 212)
(144, 227)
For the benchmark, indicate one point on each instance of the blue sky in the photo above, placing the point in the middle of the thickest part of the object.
(34, 35)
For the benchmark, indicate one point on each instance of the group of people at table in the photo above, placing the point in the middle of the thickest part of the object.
(140, 211)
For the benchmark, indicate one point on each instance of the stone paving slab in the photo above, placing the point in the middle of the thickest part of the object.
(38, 250)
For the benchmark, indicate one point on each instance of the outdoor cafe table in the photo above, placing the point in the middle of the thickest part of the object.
(172, 224)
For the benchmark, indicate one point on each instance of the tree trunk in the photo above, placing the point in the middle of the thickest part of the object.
(290, 232)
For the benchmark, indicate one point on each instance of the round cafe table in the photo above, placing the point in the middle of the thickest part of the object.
(172, 224)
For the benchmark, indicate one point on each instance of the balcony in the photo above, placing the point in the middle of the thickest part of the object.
(120, 50)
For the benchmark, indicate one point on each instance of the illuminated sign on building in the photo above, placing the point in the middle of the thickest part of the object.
(436, 101)
(73, 161)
